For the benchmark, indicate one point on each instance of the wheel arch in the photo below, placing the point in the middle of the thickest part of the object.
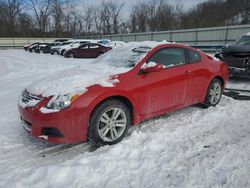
(219, 78)
(125, 100)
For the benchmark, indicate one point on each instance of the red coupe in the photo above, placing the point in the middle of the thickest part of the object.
(87, 50)
(123, 87)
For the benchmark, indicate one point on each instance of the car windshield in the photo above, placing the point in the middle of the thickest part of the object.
(126, 56)
(244, 41)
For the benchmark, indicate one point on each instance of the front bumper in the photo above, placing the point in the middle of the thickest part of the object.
(66, 126)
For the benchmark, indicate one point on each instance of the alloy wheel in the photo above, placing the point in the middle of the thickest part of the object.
(215, 93)
(112, 124)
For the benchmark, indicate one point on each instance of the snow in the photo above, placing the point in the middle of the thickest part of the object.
(148, 65)
(47, 111)
(212, 56)
(239, 83)
(72, 80)
(192, 147)
(247, 34)
(30, 103)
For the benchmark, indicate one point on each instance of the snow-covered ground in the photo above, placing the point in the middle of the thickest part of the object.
(192, 147)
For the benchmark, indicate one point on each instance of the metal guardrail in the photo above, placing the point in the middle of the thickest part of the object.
(198, 36)
(206, 38)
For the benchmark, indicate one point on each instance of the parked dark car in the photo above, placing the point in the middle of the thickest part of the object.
(60, 40)
(237, 56)
(87, 50)
(26, 47)
(47, 48)
(36, 47)
(40, 47)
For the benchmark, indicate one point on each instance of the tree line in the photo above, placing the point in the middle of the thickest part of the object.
(61, 18)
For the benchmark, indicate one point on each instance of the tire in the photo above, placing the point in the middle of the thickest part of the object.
(103, 126)
(62, 52)
(53, 52)
(214, 93)
(99, 54)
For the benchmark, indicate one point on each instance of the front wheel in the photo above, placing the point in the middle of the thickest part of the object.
(214, 93)
(109, 123)
(71, 55)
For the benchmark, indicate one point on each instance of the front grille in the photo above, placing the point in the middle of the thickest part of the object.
(26, 97)
(28, 100)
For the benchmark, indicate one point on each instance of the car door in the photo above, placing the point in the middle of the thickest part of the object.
(168, 88)
(199, 76)
(94, 49)
(83, 51)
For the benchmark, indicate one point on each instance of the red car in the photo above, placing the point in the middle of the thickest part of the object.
(87, 50)
(123, 87)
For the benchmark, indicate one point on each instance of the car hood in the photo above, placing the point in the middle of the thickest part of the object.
(76, 80)
(236, 49)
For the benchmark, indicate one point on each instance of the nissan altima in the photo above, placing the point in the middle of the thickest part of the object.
(123, 87)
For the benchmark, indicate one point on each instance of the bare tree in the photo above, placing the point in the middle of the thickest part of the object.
(41, 10)
(57, 15)
(115, 10)
(9, 11)
(89, 16)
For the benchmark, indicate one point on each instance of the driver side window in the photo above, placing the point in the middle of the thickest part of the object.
(84, 46)
(169, 57)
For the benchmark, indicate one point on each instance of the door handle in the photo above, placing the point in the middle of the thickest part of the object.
(187, 72)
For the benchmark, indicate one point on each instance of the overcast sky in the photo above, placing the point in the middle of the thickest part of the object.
(187, 4)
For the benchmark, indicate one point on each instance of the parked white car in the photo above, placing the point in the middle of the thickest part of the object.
(55, 49)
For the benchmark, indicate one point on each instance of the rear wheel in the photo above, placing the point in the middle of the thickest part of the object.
(54, 52)
(62, 52)
(214, 93)
(109, 123)
(99, 54)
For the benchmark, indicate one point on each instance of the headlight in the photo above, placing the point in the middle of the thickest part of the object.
(59, 102)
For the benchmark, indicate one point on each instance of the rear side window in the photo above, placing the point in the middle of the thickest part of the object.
(169, 57)
(93, 46)
(194, 56)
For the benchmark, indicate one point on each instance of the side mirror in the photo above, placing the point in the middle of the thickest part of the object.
(151, 67)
